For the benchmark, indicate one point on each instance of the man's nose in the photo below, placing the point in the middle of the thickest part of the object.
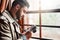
(22, 13)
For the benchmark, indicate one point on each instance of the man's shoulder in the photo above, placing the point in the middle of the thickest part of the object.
(3, 19)
(5, 16)
(8, 16)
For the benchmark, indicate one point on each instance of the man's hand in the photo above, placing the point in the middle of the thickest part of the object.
(28, 34)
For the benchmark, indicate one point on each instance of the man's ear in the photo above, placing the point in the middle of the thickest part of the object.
(17, 6)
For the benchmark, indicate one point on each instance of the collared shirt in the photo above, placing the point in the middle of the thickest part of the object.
(8, 29)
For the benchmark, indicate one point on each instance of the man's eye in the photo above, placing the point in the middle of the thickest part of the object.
(24, 11)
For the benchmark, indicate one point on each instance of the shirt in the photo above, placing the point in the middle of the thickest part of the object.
(7, 29)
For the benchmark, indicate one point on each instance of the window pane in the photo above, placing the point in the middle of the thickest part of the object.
(33, 18)
(37, 34)
(50, 4)
(51, 33)
(34, 5)
(50, 19)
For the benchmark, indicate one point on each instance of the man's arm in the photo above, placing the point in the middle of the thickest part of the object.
(5, 33)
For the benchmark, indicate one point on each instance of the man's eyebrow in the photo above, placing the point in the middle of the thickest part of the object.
(24, 10)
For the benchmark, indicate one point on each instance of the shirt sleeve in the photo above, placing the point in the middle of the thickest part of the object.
(5, 33)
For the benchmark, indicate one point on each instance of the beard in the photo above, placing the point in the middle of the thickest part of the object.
(18, 15)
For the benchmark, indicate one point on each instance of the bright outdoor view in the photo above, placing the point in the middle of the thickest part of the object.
(50, 20)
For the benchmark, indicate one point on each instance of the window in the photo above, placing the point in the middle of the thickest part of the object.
(50, 19)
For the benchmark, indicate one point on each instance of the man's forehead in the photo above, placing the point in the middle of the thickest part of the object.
(25, 8)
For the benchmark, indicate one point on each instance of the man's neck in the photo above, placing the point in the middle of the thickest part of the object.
(12, 13)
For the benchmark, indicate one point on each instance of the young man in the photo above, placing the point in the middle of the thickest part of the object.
(9, 28)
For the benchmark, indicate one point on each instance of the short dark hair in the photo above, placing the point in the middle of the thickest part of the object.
(21, 3)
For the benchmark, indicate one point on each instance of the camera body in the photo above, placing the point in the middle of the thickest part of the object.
(34, 29)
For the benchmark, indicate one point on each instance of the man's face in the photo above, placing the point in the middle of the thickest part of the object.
(22, 11)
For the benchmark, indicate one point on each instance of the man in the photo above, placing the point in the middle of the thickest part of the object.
(9, 28)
